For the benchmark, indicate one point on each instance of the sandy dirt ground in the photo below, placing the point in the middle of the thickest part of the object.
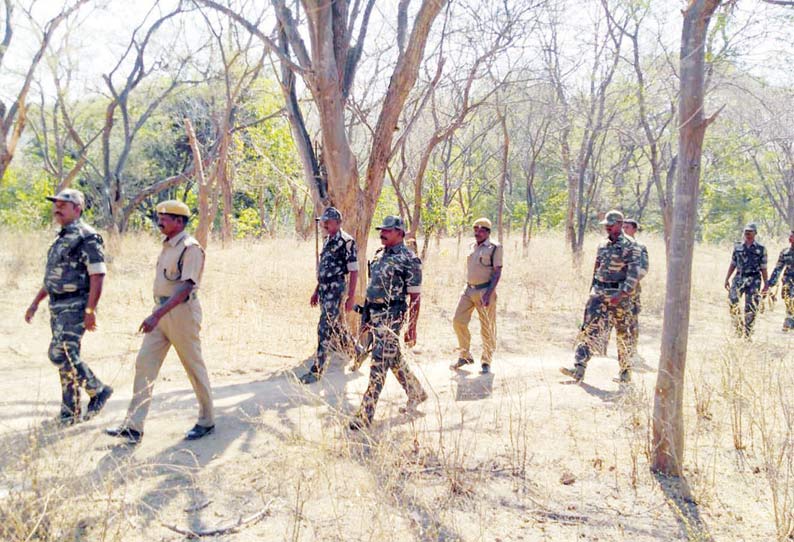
(521, 454)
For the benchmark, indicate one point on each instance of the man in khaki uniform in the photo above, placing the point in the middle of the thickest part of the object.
(483, 270)
(176, 320)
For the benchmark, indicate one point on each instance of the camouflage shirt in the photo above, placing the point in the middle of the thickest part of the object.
(394, 272)
(644, 260)
(76, 253)
(617, 266)
(338, 258)
(748, 260)
(785, 260)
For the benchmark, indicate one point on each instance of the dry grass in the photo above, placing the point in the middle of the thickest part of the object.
(520, 456)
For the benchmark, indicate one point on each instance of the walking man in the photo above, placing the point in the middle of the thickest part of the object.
(483, 271)
(73, 282)
(785, 262)
(749, 260)
(630, 229)
(338, 259)
(393, 290)
(175, 320)
(615, 279)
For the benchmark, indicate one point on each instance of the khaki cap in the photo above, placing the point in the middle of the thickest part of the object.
(173, 207)
(612, 217)
(482, 223)
(71, 195)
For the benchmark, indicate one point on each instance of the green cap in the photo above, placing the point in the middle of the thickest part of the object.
(392, 223)
(611, 218)
(331, 213)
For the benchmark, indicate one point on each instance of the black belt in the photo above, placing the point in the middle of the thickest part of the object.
(381, 304)
(162, 299)
(329, 280)
(608, 284)
(753, 274)
(67, 295)
(478, 286)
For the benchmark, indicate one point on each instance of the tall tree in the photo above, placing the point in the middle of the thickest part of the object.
(328, 67)
(668, 420)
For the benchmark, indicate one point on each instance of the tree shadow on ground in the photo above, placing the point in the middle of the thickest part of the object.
(684, 507)
(176, 468)
(422, 518)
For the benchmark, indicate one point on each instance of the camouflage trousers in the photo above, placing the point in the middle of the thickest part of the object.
(67, 324)
(599, 317)
(788, 300)
(634, 328)
(332, 332)
(386, 326)
(750, 288)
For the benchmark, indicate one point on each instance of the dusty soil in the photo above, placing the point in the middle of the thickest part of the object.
(521, 454)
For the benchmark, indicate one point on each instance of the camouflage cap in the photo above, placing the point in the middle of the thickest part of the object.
(173, 207)
(750, 226)
(632, 222)
(612, 217)
(69, 194)
(482, 223)
(331, 213)
(392, 223)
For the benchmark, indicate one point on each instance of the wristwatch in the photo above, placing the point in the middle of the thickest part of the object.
(89, 310)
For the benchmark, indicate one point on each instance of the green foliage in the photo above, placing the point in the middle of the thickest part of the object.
(247, 224)
(22, 200)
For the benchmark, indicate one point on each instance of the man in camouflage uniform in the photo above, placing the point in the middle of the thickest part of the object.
(175, 321)
(630, 229)
(749, 260)
(615, 279)
(785, 261)
(395, 274)
(483, 270)
(338, 259)
(73, 282)
(363, 346)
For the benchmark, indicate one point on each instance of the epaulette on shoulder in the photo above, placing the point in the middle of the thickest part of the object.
(191, 241)
(85, 229)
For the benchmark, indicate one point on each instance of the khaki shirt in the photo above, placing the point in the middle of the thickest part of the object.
(482, 260)
(168, 277)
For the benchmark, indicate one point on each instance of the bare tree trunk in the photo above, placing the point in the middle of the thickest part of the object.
(503, 180)
(666, 205)
(668, 420)
(260, 207)
(228, 203)
(203, 229)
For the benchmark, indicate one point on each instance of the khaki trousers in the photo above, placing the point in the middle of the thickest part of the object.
(471, 299)
(180, 327)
